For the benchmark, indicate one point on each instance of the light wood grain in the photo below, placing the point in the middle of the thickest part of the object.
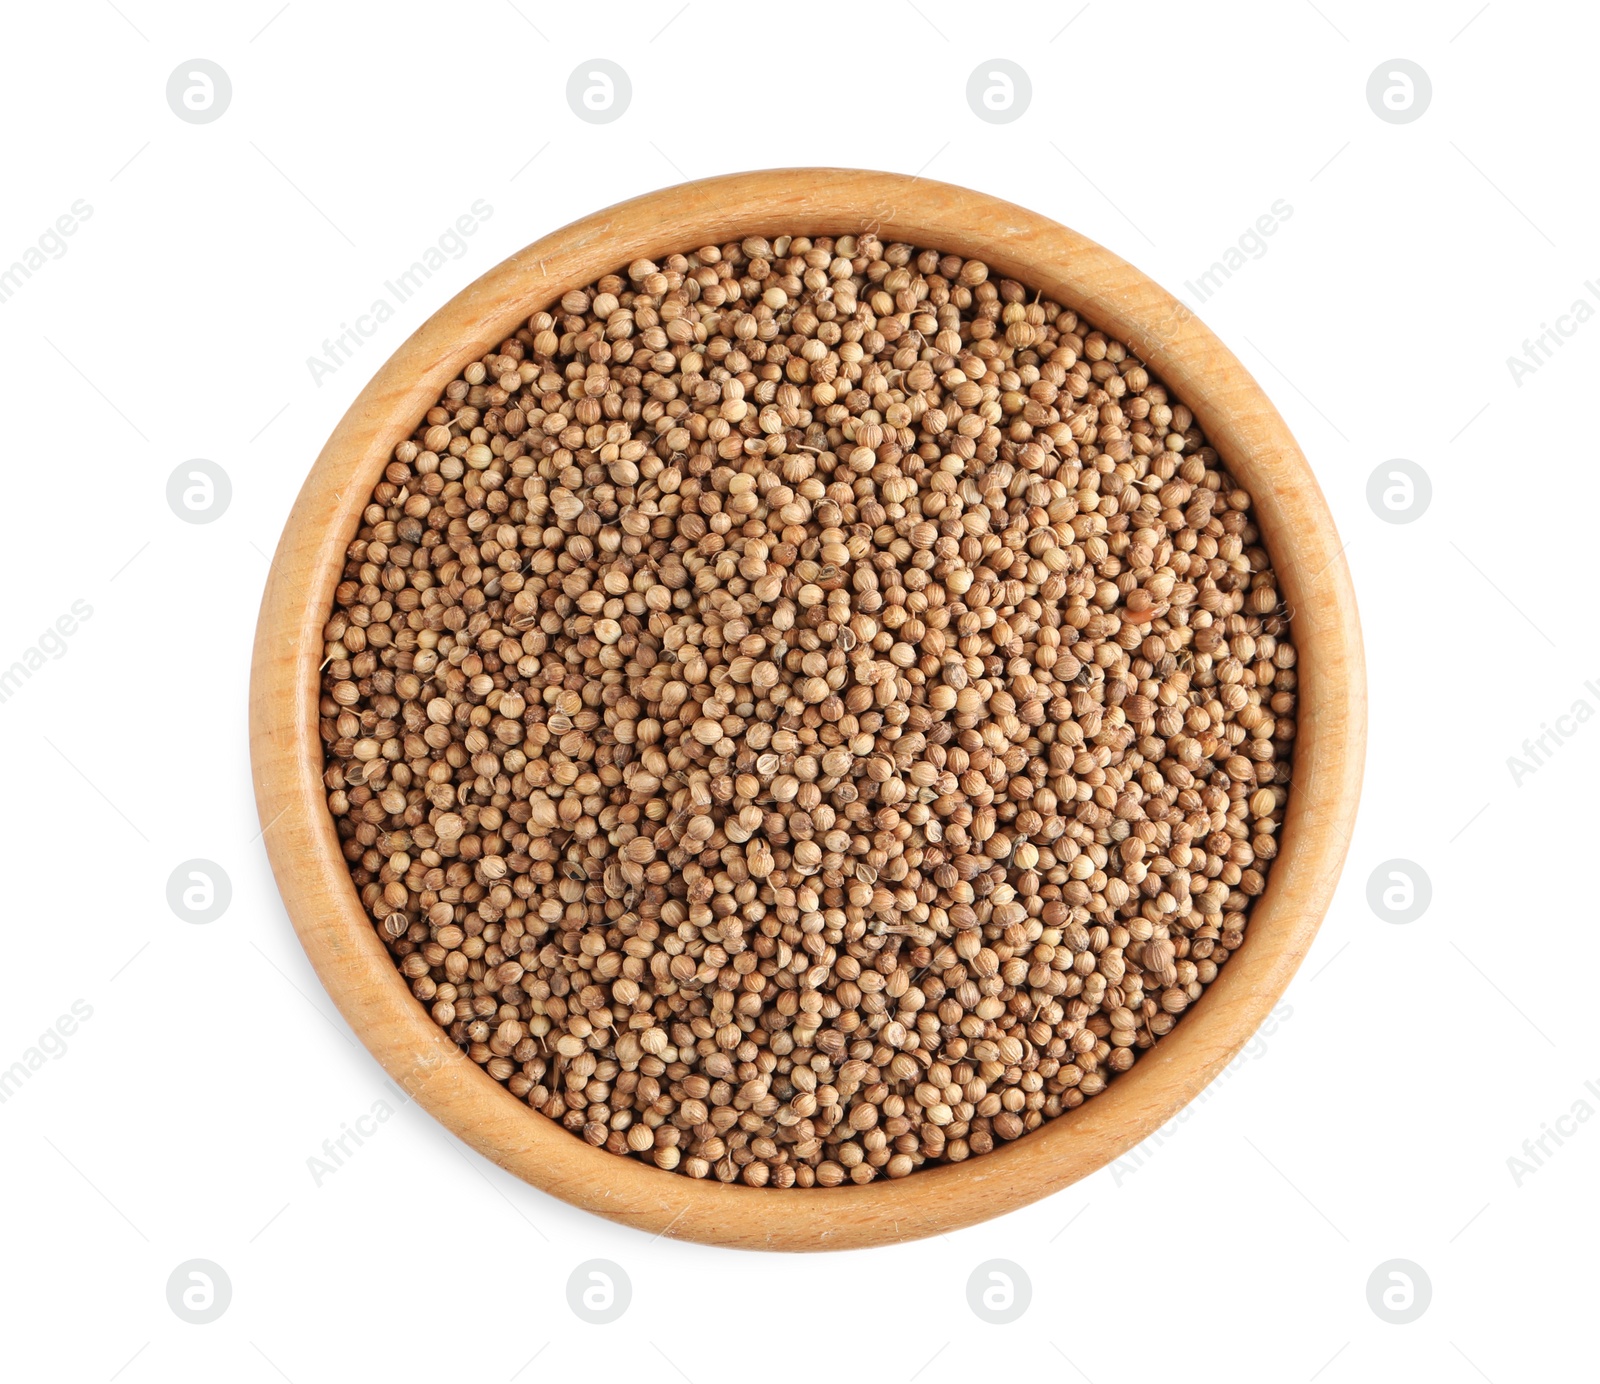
(1235, 415)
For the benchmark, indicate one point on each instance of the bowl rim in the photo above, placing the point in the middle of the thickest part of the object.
(1238, 420)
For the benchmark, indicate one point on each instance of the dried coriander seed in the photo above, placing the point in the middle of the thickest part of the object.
(807, 709)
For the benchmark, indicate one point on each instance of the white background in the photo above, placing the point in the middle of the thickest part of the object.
(1377, 1120)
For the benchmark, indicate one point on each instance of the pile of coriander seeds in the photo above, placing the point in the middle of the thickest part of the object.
(807, 709)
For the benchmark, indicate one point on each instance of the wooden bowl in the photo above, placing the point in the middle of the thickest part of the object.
(1240, 423)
